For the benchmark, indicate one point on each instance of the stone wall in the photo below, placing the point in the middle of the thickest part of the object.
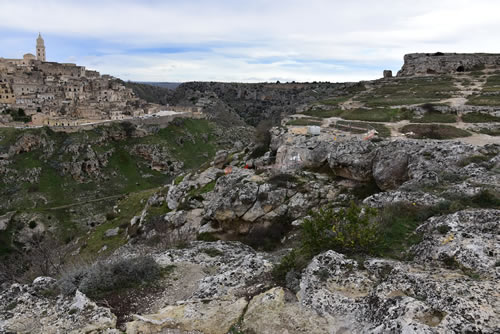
(447, 63)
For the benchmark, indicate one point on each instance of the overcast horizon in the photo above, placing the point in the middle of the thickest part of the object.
(261, 41)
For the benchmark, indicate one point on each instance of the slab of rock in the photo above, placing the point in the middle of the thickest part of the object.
(390, 168)
(220, 159)
(5, 220)
(466, 239)
(277, 311)
(35, 309)
(392, 297)
(210, 317)
(417, 198)
(112, 232)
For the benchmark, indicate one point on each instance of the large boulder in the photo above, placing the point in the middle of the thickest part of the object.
(36, 308)
(385, 296)
(353, 159)
(390, 168)
(207, 317)
(278, 311)
(466, 239)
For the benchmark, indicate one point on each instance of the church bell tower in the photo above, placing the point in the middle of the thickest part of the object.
(40, 48)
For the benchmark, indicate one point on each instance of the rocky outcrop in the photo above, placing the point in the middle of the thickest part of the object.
(446, 63)
(278, 311)
(5, 220)
(233, 103)
(391, 297)
(210, 317)
(36, 308)
(223, 274)
(390, 168)
(466, 240)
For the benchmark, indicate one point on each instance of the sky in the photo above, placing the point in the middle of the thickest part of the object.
(246, 41)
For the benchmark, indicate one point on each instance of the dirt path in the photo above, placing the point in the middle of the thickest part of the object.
(84, 202)
(351, 104)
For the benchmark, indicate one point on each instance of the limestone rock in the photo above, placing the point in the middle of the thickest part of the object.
(5, 220)
(211, 317)
(220, 159)
(418, 198)
(390, 168)
(445, 63)
(353, 159)
(393, 297)
(277, 311)
(35, 309)
(467, 239)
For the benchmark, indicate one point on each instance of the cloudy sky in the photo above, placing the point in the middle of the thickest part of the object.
(252, 40)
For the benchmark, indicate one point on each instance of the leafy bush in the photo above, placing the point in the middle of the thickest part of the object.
(205, 236)
(262, 139)
(356, 231)
(102, 278)
(351, 230)
(268, 237)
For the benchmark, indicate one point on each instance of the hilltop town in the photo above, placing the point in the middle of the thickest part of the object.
(36, 92)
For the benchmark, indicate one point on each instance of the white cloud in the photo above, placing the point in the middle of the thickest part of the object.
(239, 35)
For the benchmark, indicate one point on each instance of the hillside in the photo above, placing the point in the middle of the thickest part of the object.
(368, 207)
(69, 182)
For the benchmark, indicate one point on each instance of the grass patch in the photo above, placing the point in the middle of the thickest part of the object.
(477, 159)
(409, 91)
(484, 100)
(208, 237)
(333, 101)
(476, 117)
(435, 117)
(323, 113)
(434, 131)
(304, 121)
(189, 140)
(128, 207)
(490, 93)
(375, 115)
(490, 132)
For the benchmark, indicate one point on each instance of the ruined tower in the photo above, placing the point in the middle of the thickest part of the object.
(40, 48)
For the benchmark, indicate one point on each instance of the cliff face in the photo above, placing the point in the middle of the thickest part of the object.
(446, 63)
(232, 103)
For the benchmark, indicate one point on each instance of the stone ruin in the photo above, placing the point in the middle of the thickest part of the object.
(447, 63)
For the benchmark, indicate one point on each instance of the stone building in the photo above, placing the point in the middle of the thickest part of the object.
(40, 48)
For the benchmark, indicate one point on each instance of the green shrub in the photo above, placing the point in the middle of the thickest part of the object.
(351, 230)
(443, 229)
(294, 261)
(477, 159)
(205, 236)
(212, 252)
(102, 278)
(178, 179)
